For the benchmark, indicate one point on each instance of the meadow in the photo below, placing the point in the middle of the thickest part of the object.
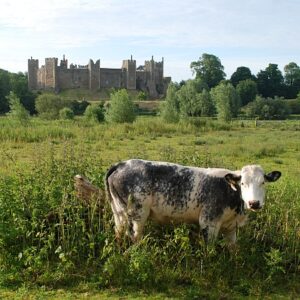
(53, 246)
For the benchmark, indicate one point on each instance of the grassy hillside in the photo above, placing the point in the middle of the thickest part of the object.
(49, 238)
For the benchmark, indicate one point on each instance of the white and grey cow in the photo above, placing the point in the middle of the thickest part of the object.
(214, 198)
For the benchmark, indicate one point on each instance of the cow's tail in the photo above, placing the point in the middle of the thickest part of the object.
(110, 171)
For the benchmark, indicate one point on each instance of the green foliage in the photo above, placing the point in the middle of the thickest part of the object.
(18, 84)
(294, 105)
(79, 107)
(194, 100)
(50, 239)
(95, 113)
(142, 95)
(209, 69)
(206, 104)
(17, 110)
(292, 80)
(170, 109)
(268, 109)
(270, 82)
(4, 91)
(66, 113)
(49, 105)
(187, 96)
(241, 74)
(227, 101)
(121, 109)
(247, 90)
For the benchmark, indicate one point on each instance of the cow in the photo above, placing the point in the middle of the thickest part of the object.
(214, 198)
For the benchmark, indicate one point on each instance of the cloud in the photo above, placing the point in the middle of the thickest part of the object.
(178, 30)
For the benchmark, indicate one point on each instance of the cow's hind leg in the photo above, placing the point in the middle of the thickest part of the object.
(137, 217)
(120, 220)
(230, 238)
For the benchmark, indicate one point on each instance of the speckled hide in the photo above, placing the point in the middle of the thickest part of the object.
(167, 192)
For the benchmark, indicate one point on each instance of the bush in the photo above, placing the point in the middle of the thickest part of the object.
(48, 106)
(17, 110)
(66, 114)
(294, 105)
(121, 108)
(170, 108)
(142, 96)
(268, 108)
(79, 107)
(94, 113)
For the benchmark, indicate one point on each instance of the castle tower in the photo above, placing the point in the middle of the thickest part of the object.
(129, 66)
(64, 63)
(33, 66)
(50, 73)
(94, 74)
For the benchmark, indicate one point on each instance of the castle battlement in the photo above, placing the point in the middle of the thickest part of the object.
(51, 76)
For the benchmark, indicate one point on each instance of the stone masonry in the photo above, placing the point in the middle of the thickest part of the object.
(51, 76)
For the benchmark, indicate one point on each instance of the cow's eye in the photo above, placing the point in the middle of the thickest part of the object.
(243, 183)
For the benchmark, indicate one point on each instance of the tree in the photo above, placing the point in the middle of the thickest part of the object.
(206, 104)
(170, 109)
(270, 82)
(48, 106)
(121, 109)
(227, 101)
(17, 110)
(4, 91)
(188, 101)
(241, 73)
(292, 79)
(209, 69)
(19, 85)
(247, 90)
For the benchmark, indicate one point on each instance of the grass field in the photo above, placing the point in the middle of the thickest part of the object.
(52, 246)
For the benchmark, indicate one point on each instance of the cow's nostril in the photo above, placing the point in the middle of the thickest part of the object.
(254, 204)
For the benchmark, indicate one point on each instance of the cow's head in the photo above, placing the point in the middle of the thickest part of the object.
(251, 184)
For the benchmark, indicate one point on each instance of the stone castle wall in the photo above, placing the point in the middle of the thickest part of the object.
(51, 76)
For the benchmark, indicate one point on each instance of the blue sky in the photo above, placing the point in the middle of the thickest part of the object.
(250, 33)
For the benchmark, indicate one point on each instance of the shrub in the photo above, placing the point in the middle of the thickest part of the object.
(268, 109)
(170, 108)
(79, 107)
(142, 96)
(17, 110)
(121, 109)
(95, 113)
(294, 105)
(48, 106)
(66, 114)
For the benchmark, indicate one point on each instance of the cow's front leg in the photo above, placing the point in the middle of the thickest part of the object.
(210, 229)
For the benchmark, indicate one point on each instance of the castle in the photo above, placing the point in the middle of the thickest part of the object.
(51, 76)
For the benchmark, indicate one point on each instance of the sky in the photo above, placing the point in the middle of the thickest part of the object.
(250, 33)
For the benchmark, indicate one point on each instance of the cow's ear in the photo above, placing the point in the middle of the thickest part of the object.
(273, 176)
(233, 180)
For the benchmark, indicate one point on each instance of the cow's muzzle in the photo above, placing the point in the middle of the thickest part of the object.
(254, 205)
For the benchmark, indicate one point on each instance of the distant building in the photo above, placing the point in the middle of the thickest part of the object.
(51, 76)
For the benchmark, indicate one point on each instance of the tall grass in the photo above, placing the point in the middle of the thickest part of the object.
(49, 237)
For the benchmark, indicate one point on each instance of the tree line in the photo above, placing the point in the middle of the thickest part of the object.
(262, 96)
